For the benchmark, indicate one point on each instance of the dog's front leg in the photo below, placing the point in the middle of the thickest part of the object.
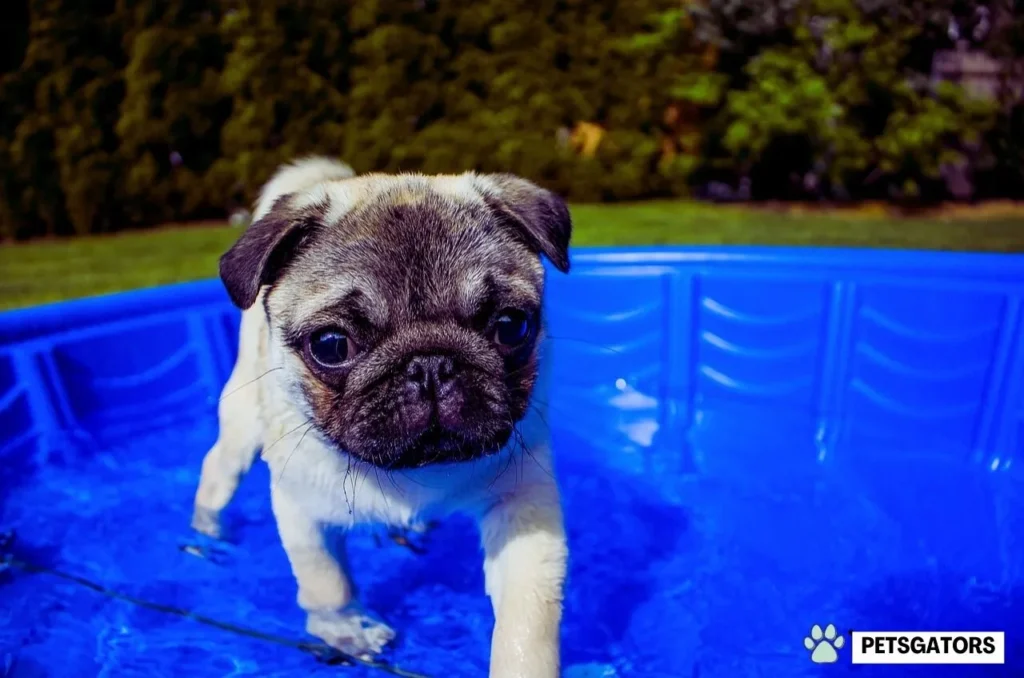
(525, 549)
(325, 592)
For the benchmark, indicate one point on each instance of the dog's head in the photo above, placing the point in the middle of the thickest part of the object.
(407, 308)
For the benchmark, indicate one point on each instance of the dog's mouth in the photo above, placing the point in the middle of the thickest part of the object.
(441, 440)
(434, 446)
(437, 445)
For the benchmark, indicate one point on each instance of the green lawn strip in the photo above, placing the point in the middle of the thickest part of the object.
(46, 271)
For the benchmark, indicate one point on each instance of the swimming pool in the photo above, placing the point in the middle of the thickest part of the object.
(749, 441)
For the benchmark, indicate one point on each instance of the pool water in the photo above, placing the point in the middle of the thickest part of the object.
(720, 575)
(750, 442)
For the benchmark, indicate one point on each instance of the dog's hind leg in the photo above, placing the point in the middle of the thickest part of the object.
(229, 459)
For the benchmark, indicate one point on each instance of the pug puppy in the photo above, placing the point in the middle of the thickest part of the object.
(388, 358)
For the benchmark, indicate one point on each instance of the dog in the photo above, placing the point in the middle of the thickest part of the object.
(391, 326)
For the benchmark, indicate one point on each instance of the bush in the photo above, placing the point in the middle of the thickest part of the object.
(843, 90)
(285, 77)
(829, 98)
(172, 113)
(60, 108)
(126, 114)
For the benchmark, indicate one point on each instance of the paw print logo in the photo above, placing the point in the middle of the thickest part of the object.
(823, 644)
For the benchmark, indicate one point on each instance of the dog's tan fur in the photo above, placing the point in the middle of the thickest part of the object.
(314, 484)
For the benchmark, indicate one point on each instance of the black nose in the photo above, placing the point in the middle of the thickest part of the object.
(431, 374)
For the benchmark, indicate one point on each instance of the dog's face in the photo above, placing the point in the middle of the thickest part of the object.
(408, 308)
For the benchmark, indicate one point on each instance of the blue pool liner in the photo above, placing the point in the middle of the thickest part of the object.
(749, 441)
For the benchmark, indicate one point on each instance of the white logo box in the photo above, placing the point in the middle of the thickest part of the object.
(940, 647)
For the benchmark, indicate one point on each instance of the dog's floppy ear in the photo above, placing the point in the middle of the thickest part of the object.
(262, 251)
(541, 217)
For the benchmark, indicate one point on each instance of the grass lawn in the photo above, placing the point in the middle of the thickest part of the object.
(46, 271)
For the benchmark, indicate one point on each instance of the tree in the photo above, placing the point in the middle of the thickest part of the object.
(171, 116)
(684, 80)
(501, 94)
(626, 86)
(286, 75)
(120, 114)
(490, 86)
(63, 151)
(399, 64)
(14, 35)
(840, 108)
(17, 91)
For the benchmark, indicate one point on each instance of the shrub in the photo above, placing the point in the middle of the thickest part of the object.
(127, 114)
(285, 76)
(170, 118)
(64, 167)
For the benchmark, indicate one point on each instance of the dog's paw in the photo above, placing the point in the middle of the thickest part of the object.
(206, 521)
(351, 631)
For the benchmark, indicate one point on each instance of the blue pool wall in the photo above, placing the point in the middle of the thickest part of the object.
(670, 360)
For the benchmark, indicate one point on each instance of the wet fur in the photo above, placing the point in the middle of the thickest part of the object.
(406, 263)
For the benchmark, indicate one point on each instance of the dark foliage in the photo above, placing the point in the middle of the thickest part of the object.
(117, 114)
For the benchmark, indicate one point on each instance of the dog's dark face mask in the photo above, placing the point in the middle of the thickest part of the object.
(414, 315)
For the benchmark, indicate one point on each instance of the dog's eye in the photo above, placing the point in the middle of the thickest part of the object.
(512, 328)
(330, 347)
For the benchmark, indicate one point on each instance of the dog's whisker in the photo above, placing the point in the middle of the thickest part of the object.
(541, 415)
(520, 472)
(389, 474)
(518, 449)
(534, 402)
(263, 452)
(294, 449)
(248, 383)
(344, 485)
(541, 466)
(383, 494)
(501, 472)
(502, 375)
(520, 467)
(508, 461)
(410, 479)
(365, 476)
